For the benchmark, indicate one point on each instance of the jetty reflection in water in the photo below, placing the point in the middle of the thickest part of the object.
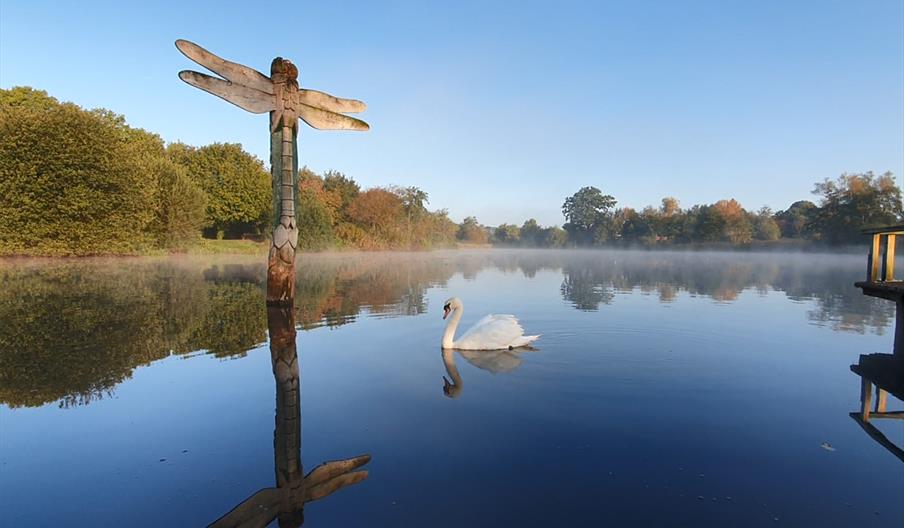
(286, 501)
(884, 375)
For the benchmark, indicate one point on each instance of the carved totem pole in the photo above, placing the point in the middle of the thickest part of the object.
(280, 95)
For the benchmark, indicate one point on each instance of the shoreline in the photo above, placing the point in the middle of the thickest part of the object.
(245, 248)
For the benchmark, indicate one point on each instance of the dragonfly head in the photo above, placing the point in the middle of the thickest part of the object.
(282, 70)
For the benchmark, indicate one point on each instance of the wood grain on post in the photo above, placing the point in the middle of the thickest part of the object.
(875, 255)
(866, 398)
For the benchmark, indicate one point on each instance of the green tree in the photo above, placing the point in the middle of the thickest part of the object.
(315, 221)
(345, 187)
(638, 227)
(507, 234)
(73, 181)
(587, 214)
(531, 233)
(706, 224)
(670, 219)
(472, 232)
(414, 203)
(554, 237)
(795, 221)
(180, 206)
(853, 202)
(765, 226)
(239, 189)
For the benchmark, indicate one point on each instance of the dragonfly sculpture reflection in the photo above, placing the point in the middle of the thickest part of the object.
(285, 502)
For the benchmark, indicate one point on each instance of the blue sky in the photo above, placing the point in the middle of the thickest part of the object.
(503, 109)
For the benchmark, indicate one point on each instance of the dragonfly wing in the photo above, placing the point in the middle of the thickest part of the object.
(328, 102)
(237, 73)
(326, 120)
(254, 101)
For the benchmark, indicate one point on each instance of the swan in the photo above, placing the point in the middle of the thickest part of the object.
(493, 332)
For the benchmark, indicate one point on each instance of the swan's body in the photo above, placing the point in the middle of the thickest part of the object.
(493, 332)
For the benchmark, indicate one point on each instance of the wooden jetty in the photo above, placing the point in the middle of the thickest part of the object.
(880, 276)
(882, 374)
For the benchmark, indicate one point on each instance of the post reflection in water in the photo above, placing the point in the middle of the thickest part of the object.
(293, 489)
(885, 374)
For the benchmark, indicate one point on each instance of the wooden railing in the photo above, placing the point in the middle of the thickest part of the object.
(881, 262)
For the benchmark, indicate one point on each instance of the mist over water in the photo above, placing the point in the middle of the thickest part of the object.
(140, 391)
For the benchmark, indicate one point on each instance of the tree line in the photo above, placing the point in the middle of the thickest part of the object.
(847, 204)
(79, 182)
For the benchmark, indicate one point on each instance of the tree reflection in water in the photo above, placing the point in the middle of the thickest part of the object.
(73, 330)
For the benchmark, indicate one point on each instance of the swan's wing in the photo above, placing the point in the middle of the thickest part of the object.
(493, 332)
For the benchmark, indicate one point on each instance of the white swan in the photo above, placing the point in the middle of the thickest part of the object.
(493, 332)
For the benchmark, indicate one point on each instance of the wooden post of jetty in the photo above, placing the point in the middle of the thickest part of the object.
(880, 276)
(281, 96)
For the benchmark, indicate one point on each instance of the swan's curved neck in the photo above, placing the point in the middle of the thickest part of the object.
(451, 326)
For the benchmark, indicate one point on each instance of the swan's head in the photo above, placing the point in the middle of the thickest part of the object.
(450, 305)
(450, 389)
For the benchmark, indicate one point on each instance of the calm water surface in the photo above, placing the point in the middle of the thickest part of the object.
(668, 389)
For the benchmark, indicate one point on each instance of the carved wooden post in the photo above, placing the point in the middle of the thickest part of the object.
(280, 95)
(284, 169)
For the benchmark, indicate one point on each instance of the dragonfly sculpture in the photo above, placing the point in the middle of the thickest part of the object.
(280, 95)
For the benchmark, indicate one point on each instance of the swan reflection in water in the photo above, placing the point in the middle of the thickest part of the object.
(494, 361)
(286, 501)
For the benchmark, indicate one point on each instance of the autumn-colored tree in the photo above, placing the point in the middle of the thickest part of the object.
(736, 228)
(378, 211)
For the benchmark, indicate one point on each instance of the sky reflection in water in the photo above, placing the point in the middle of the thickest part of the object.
(660, 378)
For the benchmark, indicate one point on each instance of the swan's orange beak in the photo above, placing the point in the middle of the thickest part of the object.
(446, 311)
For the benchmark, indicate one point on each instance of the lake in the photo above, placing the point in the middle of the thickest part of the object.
(667, 389)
